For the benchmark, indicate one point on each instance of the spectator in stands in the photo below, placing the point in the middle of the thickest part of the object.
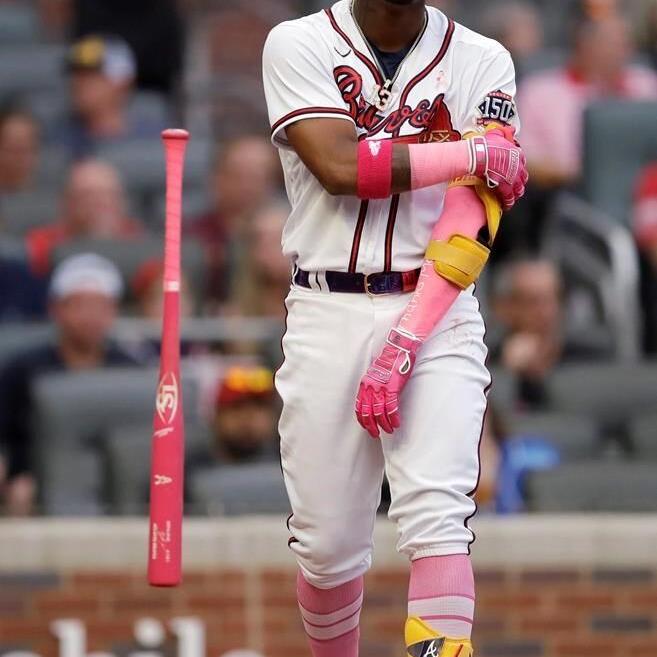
(243, 179)
(84, 293)
(552, 103)
(645, 232)
(103, 71)
(245, 419)
(527, 302)
(19, 149)
(93, 207)
(262, 286)
(158, 49)
(516, 24)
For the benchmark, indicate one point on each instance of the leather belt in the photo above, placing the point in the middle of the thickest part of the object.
(377, 284)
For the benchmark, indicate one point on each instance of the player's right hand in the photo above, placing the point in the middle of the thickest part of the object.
(500, 162)
(377, 402)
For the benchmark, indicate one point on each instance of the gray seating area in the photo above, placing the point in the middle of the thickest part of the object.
(127, 452)
(614, 487)
(235, 490)
(614, 157)
(74, 415)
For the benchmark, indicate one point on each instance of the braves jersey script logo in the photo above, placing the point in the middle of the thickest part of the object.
(432, 117)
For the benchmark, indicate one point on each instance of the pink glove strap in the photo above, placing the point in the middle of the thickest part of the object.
(464, 214)
(433, 164)
(374, 169)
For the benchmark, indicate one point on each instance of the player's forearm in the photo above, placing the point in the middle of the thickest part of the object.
(463, 214)
(384, 168)
(353, 172)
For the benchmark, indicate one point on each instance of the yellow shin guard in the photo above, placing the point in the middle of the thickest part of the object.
(422, 641)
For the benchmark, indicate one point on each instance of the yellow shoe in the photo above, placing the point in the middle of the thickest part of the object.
(422, 641)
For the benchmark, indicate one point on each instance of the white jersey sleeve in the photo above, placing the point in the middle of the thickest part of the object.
(493, 94)
(298, 78)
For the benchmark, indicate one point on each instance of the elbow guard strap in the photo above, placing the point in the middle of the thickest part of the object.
(374, 169)
(492, 205)
(460, 260)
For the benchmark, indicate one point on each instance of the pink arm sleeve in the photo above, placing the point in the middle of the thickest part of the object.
(464, 214)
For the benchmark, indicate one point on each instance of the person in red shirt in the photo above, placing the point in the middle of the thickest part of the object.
(93, 207)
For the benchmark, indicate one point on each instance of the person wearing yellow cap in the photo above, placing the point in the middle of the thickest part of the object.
(102, 75)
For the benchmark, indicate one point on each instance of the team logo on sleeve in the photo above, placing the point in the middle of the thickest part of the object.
(498, 107)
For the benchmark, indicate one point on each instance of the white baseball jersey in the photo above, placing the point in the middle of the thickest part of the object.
(453, 81)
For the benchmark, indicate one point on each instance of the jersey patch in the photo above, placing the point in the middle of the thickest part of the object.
(497, 107)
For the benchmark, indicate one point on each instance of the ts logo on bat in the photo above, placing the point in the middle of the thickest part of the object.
(166, 402)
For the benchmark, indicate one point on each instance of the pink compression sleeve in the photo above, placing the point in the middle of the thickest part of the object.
(464, 214)
(431, 164)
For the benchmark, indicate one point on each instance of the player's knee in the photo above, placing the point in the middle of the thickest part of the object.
(329, 559)
(425, 532)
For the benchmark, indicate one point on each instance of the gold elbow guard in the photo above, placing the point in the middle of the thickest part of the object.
(460, 260)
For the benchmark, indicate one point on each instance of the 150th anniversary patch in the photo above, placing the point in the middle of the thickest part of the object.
(497, 106)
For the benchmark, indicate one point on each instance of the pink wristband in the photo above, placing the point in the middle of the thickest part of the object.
(374, 169)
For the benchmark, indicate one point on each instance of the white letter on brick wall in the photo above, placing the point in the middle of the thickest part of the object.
(72, 637)
(191, 636)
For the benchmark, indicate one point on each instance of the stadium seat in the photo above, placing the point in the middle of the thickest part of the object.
(575, 436)
(503, 388)
(29, 67)
(127, 453)
(643, 436)
(141, 163)
(21, 212)
(611, 393)
(18, 337)
(19, 23)
(612, 486)
(613, 156)
(73, 412)
(239, 489)
(128, 256)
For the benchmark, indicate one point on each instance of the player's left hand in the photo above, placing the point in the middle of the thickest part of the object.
(377, 402)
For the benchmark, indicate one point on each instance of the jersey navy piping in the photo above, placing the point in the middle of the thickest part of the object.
(374, 69)
(423, 74)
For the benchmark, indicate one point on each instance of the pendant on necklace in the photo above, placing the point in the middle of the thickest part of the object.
(381, 95)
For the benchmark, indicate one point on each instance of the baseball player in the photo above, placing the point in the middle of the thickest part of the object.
(396, 132)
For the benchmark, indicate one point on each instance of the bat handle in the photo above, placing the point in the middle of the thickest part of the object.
(175, 145)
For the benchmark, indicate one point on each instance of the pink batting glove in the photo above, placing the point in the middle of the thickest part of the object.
(377, 403)
(498, 160)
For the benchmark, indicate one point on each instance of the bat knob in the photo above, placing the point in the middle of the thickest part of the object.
(175, 133)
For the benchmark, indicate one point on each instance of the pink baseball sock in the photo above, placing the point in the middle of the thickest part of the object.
(331, 617)
(442, 594)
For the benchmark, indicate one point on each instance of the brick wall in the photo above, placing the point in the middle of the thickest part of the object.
(548, 586)
(521, 613)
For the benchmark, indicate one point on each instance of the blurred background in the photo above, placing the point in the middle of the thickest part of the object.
(569, 451)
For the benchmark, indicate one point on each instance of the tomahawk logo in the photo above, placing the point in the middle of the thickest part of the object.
(430, 648)
(162, 480)
(166, 401)
(432, 651)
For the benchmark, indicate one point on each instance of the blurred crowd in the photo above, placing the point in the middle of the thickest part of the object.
(86, 89)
